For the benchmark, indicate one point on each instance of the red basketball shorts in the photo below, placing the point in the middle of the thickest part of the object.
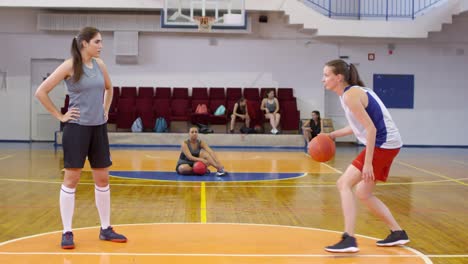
(381, 162)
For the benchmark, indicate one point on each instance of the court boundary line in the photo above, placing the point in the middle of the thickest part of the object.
(330, 184)
(331, 255)
(6, 157)
(326, 165)
(417, 252)
(432, 173)
(459, 162)
(333, 168)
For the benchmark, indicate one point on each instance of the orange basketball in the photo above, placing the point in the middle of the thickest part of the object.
(321, 148)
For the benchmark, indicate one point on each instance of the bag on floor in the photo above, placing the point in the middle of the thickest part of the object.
(247, 130)
(204, 129)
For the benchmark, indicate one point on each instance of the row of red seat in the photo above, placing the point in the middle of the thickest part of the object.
(177, 105)
(200, 92)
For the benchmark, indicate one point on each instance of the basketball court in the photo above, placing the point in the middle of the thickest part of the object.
(276, 205)
(282, 208)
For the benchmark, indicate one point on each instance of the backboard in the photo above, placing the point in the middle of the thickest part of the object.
(222, 14)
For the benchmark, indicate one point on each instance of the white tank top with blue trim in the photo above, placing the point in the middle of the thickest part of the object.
(388, 136)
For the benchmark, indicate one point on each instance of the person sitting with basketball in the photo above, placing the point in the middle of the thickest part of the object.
(195, 150)
(271, 107)
(311, 128)
(240, 110)
(372, 124)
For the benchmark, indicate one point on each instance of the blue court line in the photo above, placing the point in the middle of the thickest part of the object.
(213, 147)
(233, 176)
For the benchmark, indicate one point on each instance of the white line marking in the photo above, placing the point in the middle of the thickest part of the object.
(191, 184)
(6, 157)
(235, 255)
(336, 170)
(418, 254)
(326, 165)
(459, 162)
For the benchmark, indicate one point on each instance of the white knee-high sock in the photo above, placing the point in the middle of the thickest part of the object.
(67, 206)
(102, 196)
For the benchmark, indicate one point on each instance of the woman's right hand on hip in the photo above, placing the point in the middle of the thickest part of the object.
(71, 114)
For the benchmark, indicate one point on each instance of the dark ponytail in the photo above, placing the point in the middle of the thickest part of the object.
(85, 34)
(354, 76)
(77, 60)
(348, 71)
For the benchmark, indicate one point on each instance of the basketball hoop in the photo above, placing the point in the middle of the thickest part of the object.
(204, 23)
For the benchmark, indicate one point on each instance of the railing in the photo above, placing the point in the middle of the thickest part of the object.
(372, 8)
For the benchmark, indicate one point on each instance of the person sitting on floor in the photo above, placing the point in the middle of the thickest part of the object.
(193, 150)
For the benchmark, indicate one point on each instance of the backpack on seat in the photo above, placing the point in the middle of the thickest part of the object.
(220, 110)
(137, 125)
(160, 126)
(201, 109)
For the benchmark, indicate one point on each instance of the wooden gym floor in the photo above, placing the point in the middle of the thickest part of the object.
(275, 207)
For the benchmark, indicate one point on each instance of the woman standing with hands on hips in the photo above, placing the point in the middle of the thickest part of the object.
(85, 129)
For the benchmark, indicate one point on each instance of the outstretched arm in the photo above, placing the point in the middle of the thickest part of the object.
(210, 151)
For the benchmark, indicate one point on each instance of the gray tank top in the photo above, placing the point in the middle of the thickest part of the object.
(88, 96)
(271, 107)
(194, 152)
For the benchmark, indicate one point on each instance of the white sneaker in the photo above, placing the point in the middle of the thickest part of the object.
(272, 131)
(221, 173)
(275, 131)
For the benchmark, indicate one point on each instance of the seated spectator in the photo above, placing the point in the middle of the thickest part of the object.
(240, 110)
(311, 128)
(271, 107)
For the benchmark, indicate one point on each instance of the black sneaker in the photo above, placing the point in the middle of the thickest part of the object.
(395, 238)
(346, 245)
(67, 240)
(109, 235)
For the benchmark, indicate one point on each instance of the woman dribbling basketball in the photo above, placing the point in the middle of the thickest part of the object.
(372, 124)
